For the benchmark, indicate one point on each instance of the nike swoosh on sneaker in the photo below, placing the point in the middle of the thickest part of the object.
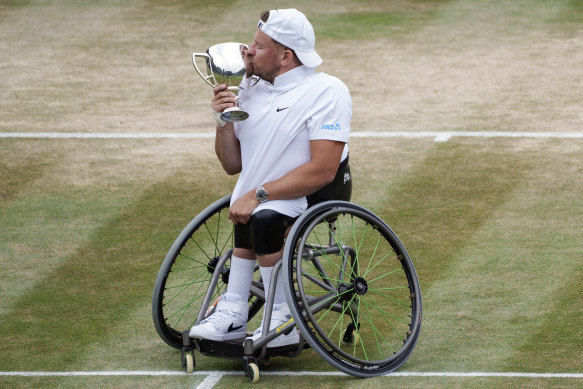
(231, 328)
(281, 109)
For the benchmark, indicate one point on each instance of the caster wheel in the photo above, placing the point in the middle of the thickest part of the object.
(253, 371)
(189, 362)
(351, 338)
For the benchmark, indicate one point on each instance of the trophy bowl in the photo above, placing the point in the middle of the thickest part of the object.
(224, 65)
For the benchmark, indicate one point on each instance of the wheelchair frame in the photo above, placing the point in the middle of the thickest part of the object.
(327, 276)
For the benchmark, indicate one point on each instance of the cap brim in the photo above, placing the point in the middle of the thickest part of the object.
(310, 59)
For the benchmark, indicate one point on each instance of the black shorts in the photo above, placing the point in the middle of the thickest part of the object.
(265, 232)
(339, 189)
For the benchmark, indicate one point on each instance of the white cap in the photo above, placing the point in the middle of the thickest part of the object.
(291, 28)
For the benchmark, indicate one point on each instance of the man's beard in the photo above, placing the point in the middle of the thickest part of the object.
(266, 74)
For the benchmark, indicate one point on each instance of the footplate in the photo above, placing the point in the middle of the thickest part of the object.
(220, 349)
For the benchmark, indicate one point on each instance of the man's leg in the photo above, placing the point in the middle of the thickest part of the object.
(266, 263)
(241, 274)
(229, 321)
(268, 230)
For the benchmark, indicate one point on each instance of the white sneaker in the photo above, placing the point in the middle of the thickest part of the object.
(279, 315)
(229, 321)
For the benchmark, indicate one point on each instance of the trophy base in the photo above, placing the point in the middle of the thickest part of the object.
(234, 114)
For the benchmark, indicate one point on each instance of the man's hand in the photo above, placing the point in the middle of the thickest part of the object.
(223, 99)
(241, 210)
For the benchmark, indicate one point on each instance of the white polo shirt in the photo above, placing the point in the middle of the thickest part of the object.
(301, 105)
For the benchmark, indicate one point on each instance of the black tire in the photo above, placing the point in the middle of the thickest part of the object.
(183, 278)
(360, 285)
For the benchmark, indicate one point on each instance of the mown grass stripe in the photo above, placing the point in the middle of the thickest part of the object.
(423, 214)
(78, 300)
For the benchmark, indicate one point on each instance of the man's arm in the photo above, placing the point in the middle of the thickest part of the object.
(304, 180)
(308, 178)
(227, 145)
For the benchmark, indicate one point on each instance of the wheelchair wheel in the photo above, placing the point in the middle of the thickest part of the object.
(185, 275)
(352, 289)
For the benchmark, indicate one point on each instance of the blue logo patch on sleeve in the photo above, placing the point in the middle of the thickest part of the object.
(332, 127)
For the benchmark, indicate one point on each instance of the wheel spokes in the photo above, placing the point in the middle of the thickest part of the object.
(362, 283)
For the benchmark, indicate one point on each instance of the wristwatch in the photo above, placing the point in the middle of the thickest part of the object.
(261, 194)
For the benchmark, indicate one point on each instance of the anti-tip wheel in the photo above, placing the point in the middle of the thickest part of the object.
(253, 371)
(266, 361)
(353, 339)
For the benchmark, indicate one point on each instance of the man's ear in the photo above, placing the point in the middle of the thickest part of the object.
(287, 57)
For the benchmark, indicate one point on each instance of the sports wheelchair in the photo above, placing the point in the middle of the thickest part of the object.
(349, 282)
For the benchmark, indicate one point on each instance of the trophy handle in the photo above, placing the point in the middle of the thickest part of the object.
(208, 61)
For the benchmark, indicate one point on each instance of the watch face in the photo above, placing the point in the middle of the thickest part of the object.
(261, 195)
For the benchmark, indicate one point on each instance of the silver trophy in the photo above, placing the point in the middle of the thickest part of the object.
(224, 65)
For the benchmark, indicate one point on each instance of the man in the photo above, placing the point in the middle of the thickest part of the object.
(291, 146)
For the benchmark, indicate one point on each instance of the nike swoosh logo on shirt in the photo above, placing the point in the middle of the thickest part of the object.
(281, 109)
(231, 328)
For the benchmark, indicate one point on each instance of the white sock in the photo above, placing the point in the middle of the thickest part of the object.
(240, 277)
(279, 296)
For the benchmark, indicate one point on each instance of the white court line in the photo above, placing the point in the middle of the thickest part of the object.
(283, 373)
(438, 136)
(213, 377)
(105, 135)
(210, 381)
(444, 136)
